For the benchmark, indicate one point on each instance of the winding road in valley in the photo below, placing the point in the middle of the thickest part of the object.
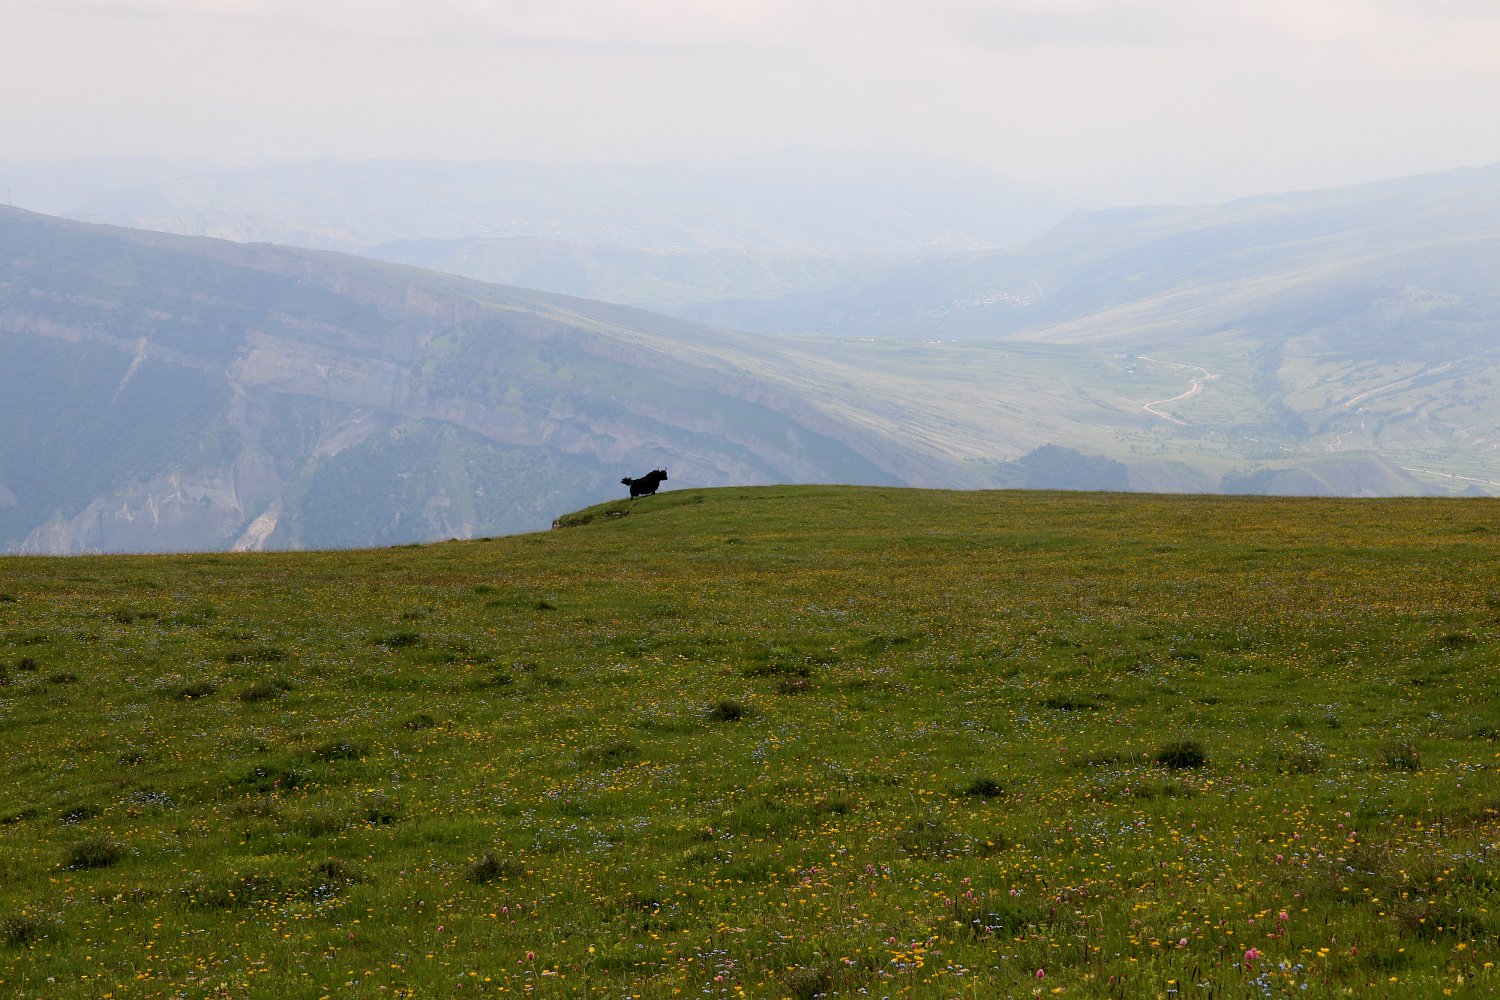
(1400, 381)
(1203, 377)
(1449, 475)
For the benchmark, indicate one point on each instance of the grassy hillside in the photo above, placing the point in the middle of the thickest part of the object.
(780, 741)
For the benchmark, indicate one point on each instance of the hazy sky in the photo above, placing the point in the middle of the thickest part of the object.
(1108, 101)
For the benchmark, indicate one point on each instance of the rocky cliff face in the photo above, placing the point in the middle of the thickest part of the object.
(167, 393)
(172, 512)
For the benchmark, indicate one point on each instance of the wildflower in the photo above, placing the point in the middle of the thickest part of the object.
(1251, 954)
(1041, 973)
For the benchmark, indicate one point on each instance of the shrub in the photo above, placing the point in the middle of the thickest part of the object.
(319, 821)
(1182, 755)
(926, 836)
(18, 930)
(808, 981)
(1458, 640)
(1154, 788)
(335, 871)
(1068, 703)
(264, 691)
(1103, 760)
(272, 778)
(984, 788)
(257, 654)
(151, 799)
(96, 852)
(488, 868)
(614, 753)
(342, 750)
(400, 640)
(1402, 755)
(326, 880)
(381, 810)
(1306, 759)
(73, 815)
(495, 676)
(418, 722)
(778, 669)
(233, 891)
(836, 804)
(197, 689)
(726, 710)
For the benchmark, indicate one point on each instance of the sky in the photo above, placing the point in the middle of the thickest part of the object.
(1109, 102)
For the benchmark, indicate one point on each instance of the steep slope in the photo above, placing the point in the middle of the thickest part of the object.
(164, 392)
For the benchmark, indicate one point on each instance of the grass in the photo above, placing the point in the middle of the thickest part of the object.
(770, 742)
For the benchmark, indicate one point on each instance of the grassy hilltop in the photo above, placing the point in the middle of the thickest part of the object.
(768, 742)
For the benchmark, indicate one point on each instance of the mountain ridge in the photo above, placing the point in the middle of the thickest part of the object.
(336, 350)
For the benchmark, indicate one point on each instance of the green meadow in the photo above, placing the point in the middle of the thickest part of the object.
(770, 742)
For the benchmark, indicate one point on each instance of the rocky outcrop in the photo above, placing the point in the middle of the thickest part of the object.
(173, 512)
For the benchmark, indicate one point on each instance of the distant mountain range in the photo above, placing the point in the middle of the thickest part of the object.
(175, 392)
(803, 201)
(669, 238)
(1302, 328)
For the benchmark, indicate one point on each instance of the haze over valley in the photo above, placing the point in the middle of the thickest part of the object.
(179, 392)
(289, 276)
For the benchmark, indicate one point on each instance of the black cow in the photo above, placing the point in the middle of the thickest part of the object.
(646, 485)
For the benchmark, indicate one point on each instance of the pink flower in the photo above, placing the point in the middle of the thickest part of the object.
(1251, 954)
(1182, 942)
(1041, 973)
(1282, 916)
